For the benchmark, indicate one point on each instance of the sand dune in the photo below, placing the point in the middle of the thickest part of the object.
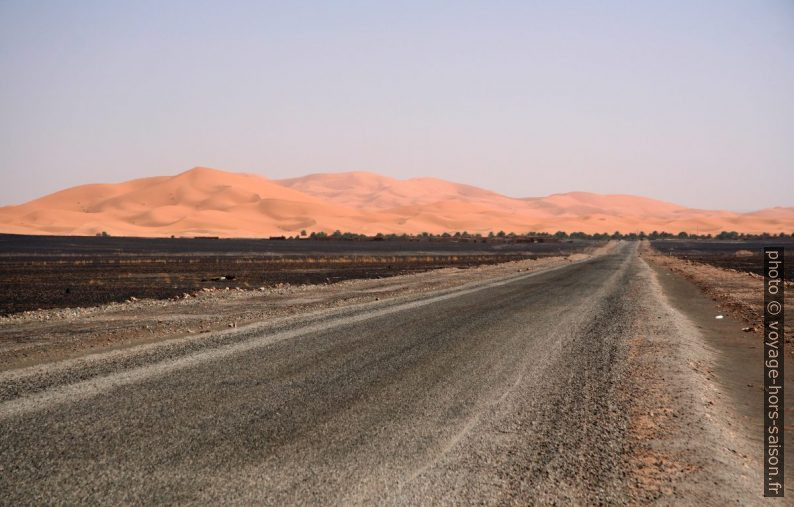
(373, 191)
(205, 201)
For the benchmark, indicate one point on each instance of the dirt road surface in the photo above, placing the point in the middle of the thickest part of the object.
(580, 383)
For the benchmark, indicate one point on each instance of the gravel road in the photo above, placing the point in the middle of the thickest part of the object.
(525, 389)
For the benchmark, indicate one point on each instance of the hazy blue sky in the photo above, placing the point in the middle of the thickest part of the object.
(690, 101)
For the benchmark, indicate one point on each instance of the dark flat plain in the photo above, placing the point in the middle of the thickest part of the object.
(722, 254)
(55, 272)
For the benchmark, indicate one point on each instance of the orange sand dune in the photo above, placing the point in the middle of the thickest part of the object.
(373, 191)
(203, 202)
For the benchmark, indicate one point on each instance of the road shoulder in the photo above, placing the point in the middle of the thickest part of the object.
(730, 365)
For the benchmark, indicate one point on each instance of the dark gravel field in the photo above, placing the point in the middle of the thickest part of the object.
(740, 255)
(53, 272)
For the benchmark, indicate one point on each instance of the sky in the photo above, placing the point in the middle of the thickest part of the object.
(686, 101)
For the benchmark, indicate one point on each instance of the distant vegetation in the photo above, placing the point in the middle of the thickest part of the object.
(533, 236)
(529, 237)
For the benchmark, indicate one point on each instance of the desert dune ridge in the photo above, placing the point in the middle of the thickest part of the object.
(210, 202)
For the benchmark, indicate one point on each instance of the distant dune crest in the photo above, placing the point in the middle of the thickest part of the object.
(205, 201)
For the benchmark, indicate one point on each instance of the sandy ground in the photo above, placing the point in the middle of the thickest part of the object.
(39, 336)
